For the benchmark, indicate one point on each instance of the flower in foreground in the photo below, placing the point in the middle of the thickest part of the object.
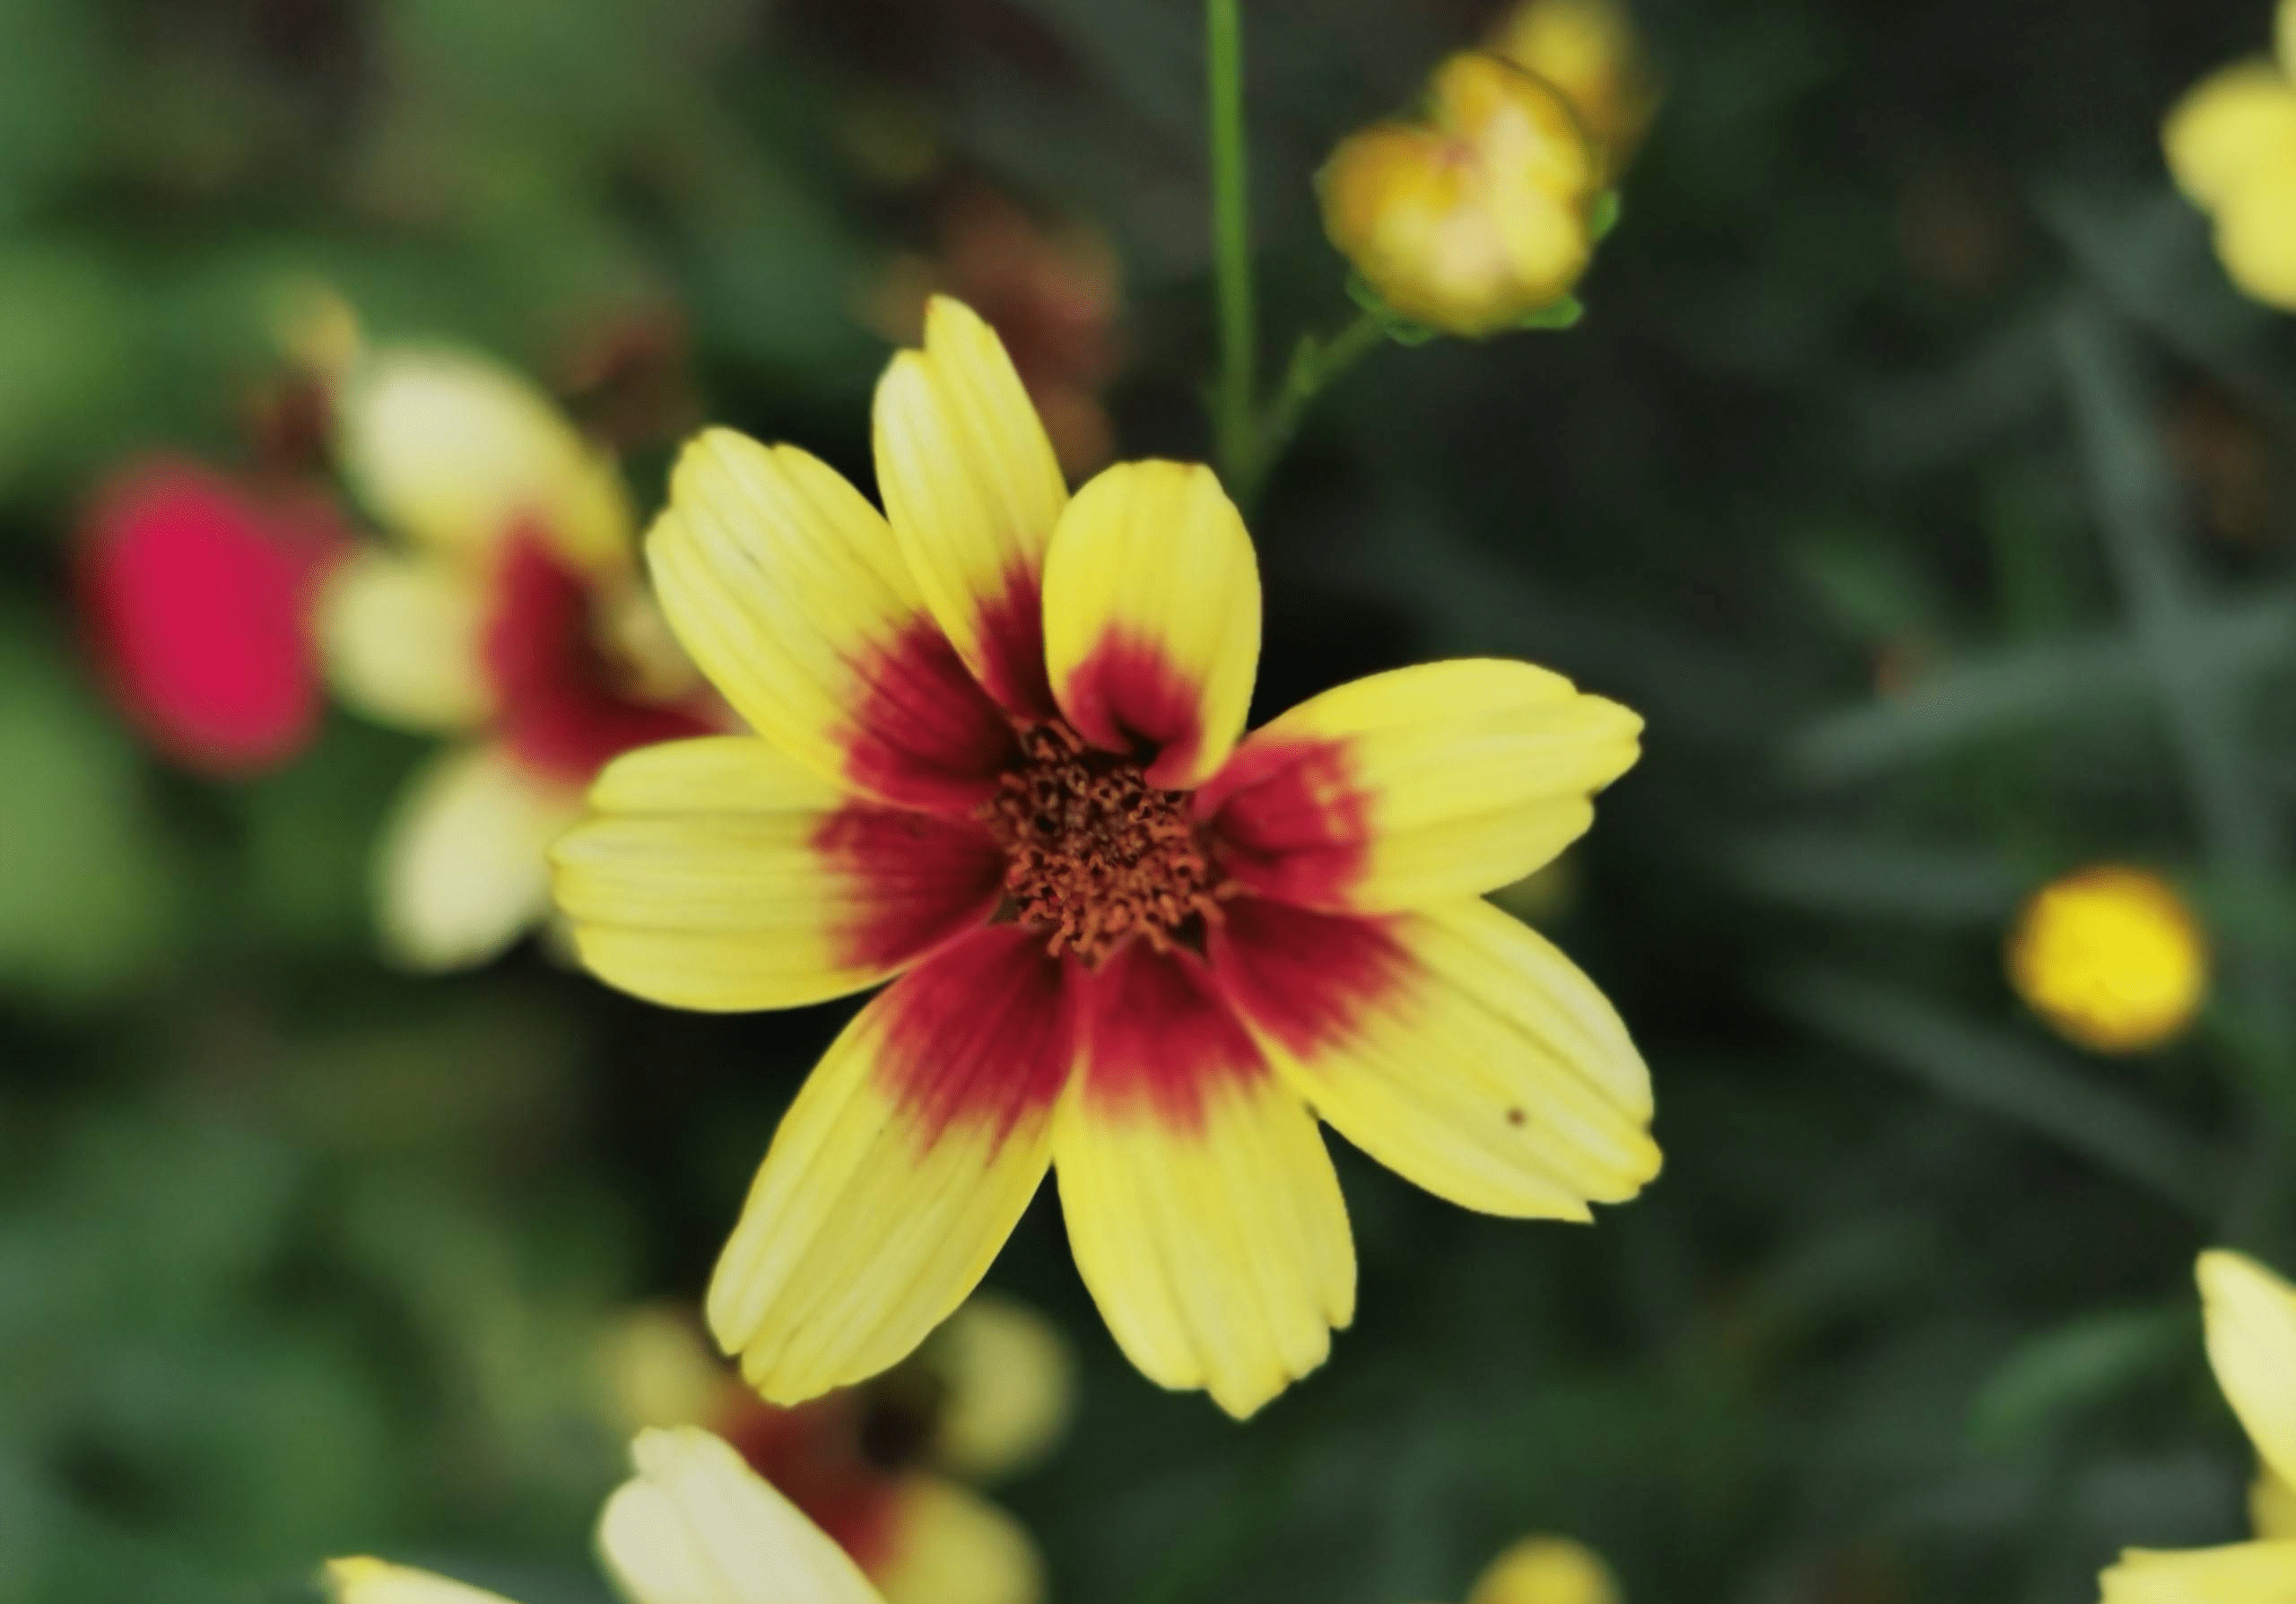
(2251, 1318)
(510, 618)
(2111, 957)
(878, 1466)
(2231, 143)
(695, 1523)
(1477, 217)
(1546, 1570)
(197, 595)
(1590, 50)
(998, 749)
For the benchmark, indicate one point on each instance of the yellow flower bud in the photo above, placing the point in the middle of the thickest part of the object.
(1477, 217)
(2255, 230)
(1588, 49)
(2111, 958)
(1546, 1570)
(2227, 124)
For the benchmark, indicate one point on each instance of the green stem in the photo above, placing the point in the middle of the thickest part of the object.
(1234, 434)
(1315, 364)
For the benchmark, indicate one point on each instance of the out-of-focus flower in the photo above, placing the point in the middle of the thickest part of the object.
(628, 379)
(695, 1523)
(2111, 957)
(510, 617)
(1477, 217)
(1546, 1570)
(1050, 292)
(2251, 1318)
(197, 594)
(1591, 51)
(2232, 147)
(1001, 751)
(989, 1394)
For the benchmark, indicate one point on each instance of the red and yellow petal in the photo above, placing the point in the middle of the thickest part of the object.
(718, 874)
(973, 490)
(901, 1168)
(1201, 1203)
(462, 864)
(945, 1544)
(1152, 615)
(788, 591)
(403, 638)
(1418, 786)
(1454, 1045)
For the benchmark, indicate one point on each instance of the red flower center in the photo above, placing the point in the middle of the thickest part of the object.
(1095, 854)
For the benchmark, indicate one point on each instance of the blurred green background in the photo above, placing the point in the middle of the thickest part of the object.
(1915, 473)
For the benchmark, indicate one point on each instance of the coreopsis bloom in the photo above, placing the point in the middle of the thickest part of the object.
(695, 1523)
(197, 593)
(1590, 50)
(2232, 147)
(2111, 958)
(510, 616)
(1477, 217)
(997, 748)
(2251, 1318)
(1546, 1570)
(876, 1466)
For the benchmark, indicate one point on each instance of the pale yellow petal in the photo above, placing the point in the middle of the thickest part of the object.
(1152, 615)
(464, 863)
(973, 490)
(2240, 1574)
(1456, 1046)
(900, 1169)
(2251, 1317)
(655, 1368)
(950, 1546)
(1547, 1570)
(2225, 124)
(1009, 1387)
(404, 638)
(2255, 230)
(452, 450)
(698, 1526)
(2272, 1507)
(372, 1582)
(718, 874)
(1418, 786)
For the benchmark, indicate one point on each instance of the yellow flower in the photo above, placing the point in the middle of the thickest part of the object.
(1546, 1570)
(1477, 217)
(694, 1523)
(2251, 1316)
(510, 618)
(989, 1394)
(2230, 144)
(1590, 52)
(999, 749)
(2111, 958)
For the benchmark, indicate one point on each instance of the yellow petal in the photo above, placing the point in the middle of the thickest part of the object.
(655, 1368)
(1455, 1046)
(2271, 1506)
(1200, 1204)
(403, 638)
(2255, 230)
(973, 490)
(787, 589)
(1418, 786)
(1589, 50)
(1009, 1388)
(453, 450)
(1151, 617)
(1546, 1570)
(900, 1169)
(372, 1582)
(2240, 1574)
(950, 1546)
(2251, 1316)
(719, 874)
(464, 862)
(698, 1526)
(2225, 124)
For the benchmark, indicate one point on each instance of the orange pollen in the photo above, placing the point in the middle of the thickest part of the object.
(1095, 855)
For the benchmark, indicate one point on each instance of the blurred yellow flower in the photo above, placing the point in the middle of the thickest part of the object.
(2230, 144)
(1591, 51)
(2111, 957)
(1478, 216)
(988, 1395)
(694, 1523)
(1546, 1570)
(2251, 1318)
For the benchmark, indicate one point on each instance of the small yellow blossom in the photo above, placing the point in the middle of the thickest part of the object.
(1546, 1570)
(1477, 217)
(1588, 49)
(2230, 144)
(2111, 958)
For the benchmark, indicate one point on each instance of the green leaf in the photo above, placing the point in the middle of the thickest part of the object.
(1557, 314)
(1402, 330)
(2080, 1365)
(1608, 208)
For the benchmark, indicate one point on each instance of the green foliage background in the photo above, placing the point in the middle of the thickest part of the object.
(1896, 356)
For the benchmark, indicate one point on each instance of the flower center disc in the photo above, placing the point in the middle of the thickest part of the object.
(1095, 854)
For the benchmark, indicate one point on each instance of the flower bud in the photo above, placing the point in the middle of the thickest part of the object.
(2111, 958)
(1588, 49)
(1477, 217)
